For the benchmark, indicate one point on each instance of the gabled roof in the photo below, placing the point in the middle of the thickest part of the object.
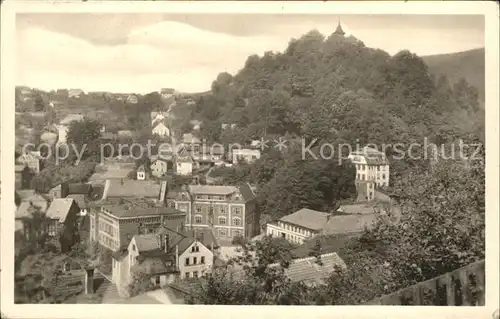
(247, 192)
(346, 224)
(80, 200)
(132, 188)
(189, 138)
(309, 271)
(161, 125)
(212, 189)
(307, 218)
(59, 208)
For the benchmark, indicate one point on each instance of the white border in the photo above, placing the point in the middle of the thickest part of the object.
(11, 7)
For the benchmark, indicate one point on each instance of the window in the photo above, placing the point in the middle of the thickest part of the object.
(198, 219)
(198, 209)
(187, 274)
(383, 176)
(187, 262)
(195, 249)
(223, 210)
(199, 197)
(157, 280)
(222, 220)
(67, 266)
(195, 260)
(183, 196)
(202, 260)
(172, 204)
(237, 210)
(237, 221)
(237, 197)
(133, 247)
(195, 274)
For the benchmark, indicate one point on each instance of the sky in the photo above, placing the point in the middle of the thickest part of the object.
(142, 53)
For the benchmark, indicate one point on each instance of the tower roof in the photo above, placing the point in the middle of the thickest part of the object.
(339, 30)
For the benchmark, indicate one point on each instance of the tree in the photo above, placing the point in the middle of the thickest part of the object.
(39, 104)
(86, 134)
(27, 176)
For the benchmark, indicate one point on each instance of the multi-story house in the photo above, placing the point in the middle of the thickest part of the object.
(230, 211)
(33, 160)
(63, 214)
(159, 168)
(371, 165)
(161, 129)
(117, 220)
(299, 226)
(165, 256)
(245, 154)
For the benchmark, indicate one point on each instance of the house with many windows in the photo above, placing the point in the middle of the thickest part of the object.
(371, 165)
(116, 220)
(230, 211)
(33, 160)
(165, 256)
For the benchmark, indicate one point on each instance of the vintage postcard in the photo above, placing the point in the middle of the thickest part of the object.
(171, 153)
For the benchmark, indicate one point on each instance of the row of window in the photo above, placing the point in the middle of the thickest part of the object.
(187, 262)
(222, 220)
(361, 177)
(194, 274)
(108, 229)
(295, 229)
(223, 232)
(108, 242)
(236, 210)
(362, 167)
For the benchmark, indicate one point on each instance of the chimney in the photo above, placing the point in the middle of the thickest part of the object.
(89, 281)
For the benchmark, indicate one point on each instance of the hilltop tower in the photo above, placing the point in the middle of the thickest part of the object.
(339, 30)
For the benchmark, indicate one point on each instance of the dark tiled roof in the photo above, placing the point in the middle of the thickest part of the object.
(79, 188)
(247, 192)
(80, 200)
(307, 218)
(135, 208)
(147, 242)
(132, 188)
(345, 224)
(307, 270)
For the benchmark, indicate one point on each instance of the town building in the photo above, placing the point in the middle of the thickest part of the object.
(371, 165)
(167, 93)
(245, 154)
(184, 165)
(191, 142)
(159, 168)
(82, 203)
(32, 160)
(141, 173)
(157, 117)
(132, 99)
(63, 126)
(117, 220)
(129, 188)
(299, 226)
(230, 211)
(161, 129)
(365, 190)
(64, 216)
(165, 256)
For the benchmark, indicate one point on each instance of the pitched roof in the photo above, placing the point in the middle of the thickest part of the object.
(70, 118)
(132, 188)
(189, 138)
(357, 209)
(79, 188)
(154, 266)
(146, 242)
(307, 218)
(141, 169)
(345, 224)
(154, 114)
(24, 210)
(80, 200)
(307, 270)
(121, 208)
(247, 192)
(59, 208)
(212, 189)
(160, 124)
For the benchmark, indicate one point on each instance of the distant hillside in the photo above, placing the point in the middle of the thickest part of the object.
(466, 64)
